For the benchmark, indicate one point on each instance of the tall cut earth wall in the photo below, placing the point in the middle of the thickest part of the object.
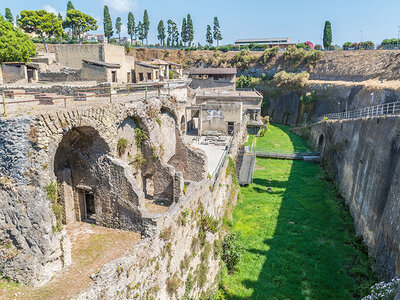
(364, 158)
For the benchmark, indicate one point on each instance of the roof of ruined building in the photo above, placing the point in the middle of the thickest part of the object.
(101, 63)
(164, 62)
(213, 71)
(147, 65)
(21, 64)
(265, 40)
(230, 94)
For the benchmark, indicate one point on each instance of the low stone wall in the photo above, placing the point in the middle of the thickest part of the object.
(61, 76)
(364, 157)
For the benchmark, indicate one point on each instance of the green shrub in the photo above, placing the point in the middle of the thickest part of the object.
(309, 97)
(291, 81)
(53, 194)
(247, 81)
(140, 136)
(171, 74)
(184, 214)
(231, 251)
(139, 161)
(173, 284)
(292, 55)
(122, 145)
(269, 54)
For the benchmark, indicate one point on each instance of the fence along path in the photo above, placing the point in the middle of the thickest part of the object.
(377, 110)
(11, 96)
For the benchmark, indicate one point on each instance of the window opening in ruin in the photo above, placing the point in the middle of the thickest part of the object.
(141, 77)
(90, 211)
(114, 76)
(30, 73)
(128, 77)
(231, 127)
(320, 142)
(149, 76)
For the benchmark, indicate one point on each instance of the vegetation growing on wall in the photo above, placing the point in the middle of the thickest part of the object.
(140, 136)
(291, 81)
(309, 97)
(122, 145)
(53, 194)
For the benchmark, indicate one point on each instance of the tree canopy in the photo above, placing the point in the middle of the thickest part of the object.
(209, 36)
(70, 6)
(8, 15)
(184, 33)
(173, 34)
(107, 23)
(79, 22)
(217, 31)
(140, 32)
(190, 30)
(131, 26)
(327, 39)
(14, 44)
(146, 26)
(40, 22)
(118, 27)
(161, 32)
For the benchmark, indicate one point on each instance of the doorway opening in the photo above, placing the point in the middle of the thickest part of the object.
(90, 209)
(231, 127)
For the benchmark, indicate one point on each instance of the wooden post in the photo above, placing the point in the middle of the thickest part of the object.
(65, 101)
(110, 94)
(145, 93)
(4, 105)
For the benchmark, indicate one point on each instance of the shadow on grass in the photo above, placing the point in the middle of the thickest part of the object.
(310, 254)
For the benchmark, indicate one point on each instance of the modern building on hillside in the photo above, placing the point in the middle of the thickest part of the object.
(213, 78)
(282, 43)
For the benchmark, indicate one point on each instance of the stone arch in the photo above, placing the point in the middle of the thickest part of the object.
(95, 187)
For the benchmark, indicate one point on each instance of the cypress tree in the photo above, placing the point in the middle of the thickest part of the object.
(59, 17)
(217, 31)
(131, 26)
(209, 36)
(327, 39)
(118, 26)
(70, 6)
(108, 26)
(8, 15)
(184, 32)
(146, 26)
(161, 33)
(190, 30)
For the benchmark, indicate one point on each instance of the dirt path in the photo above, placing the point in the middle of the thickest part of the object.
(92, 247)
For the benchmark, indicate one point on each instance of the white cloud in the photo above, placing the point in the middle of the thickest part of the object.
(50, 9)
(121, 5)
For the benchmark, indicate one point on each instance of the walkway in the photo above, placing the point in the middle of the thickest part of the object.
(247, 169)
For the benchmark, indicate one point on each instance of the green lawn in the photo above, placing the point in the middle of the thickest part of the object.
(298, 239)
(280, 138)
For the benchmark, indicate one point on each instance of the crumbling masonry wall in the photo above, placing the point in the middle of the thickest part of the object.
(33, 246)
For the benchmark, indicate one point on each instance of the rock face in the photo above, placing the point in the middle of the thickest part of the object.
(287, 108)
(364, 157)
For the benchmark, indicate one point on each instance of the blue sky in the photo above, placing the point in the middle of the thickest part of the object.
(298, 20)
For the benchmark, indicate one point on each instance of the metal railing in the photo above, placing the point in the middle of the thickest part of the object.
(378, 110)
(109, 92)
